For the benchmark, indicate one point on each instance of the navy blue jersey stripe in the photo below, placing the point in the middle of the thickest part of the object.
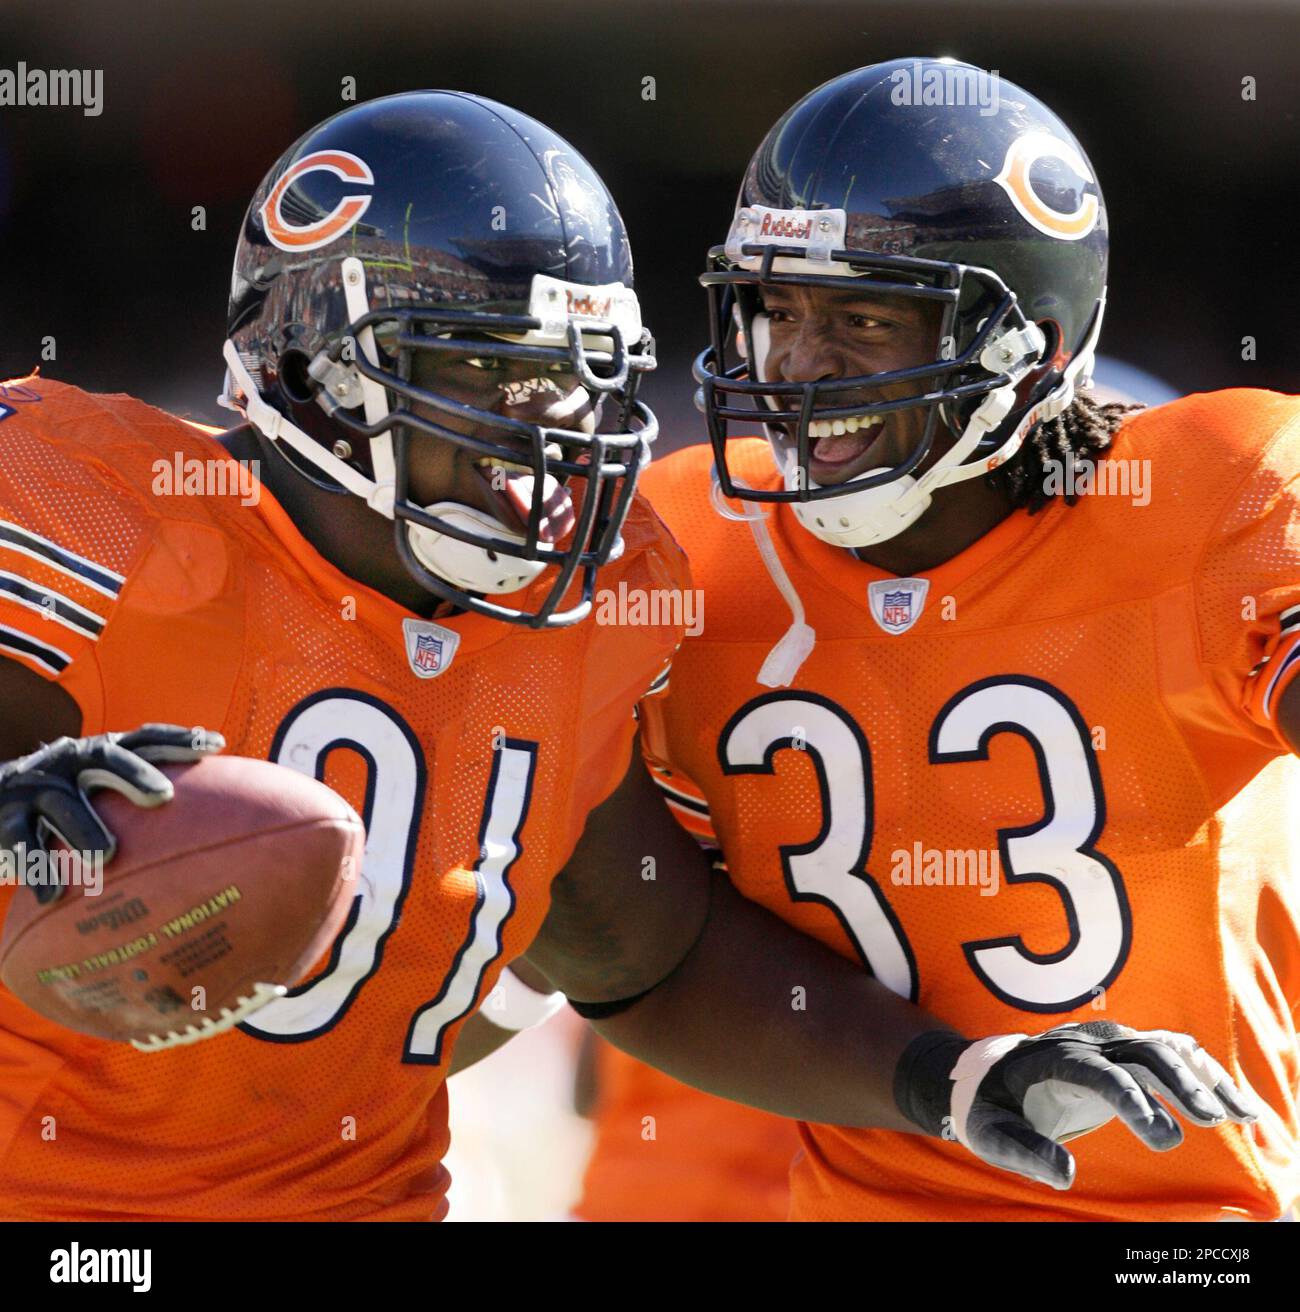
(681, 799)
(53, 605)
(42, 653)
(32, 544)
(1287, 663)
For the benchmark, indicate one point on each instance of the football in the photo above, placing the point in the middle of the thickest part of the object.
(213, 905)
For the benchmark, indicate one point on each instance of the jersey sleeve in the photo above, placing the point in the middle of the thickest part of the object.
(685, 800)
(675, 482)
(642, 610)
(66, 545)
(1247, 583)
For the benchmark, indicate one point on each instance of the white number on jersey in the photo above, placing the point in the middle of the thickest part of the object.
(1058, 850)
(395, 790)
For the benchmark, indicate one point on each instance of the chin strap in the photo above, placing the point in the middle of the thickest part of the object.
(876, 514)
(794, 647)
(241, 395)
(373, 396)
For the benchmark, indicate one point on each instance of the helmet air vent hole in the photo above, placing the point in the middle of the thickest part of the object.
(296, 383)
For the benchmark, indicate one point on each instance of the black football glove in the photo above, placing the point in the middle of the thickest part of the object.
(46, 792)
(1013, 1099)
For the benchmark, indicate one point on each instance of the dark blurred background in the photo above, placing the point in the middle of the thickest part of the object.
(199, 99)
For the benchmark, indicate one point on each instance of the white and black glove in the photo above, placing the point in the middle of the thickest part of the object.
(47, 792)
(1014, 1098)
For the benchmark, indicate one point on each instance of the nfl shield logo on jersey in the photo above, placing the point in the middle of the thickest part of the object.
(429, 647)
(896, 604)
(428, 653)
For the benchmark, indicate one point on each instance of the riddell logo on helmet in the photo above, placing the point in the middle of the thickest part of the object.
(307, 237)
(588, 306)
(781, 225)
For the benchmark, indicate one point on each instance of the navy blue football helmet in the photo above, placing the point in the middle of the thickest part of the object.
(932, 180)
(416, 224)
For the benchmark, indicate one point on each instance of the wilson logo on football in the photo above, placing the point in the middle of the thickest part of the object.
(307, 237)
(1024, 153)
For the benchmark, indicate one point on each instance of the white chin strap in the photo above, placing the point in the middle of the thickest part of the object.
(876, 514)
(464, 565)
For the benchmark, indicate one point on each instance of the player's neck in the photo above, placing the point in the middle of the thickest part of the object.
(341, 527)
(957, 518)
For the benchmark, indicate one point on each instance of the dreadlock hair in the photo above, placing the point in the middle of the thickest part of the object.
(1080, 432)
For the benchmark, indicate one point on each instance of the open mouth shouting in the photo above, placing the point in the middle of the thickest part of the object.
(842, 449)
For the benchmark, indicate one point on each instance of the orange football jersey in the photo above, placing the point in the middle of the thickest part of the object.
(1040, 783)
(667, 1152)
(473, 749)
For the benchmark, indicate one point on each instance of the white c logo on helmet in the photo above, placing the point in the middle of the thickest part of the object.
(294, 237)
(1022, 155)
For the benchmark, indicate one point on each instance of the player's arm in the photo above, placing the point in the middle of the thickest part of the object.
(629, 914)
(32, 711)
(682, 972)
(1288, 715)
(1246, 584)
(731, 999)
(513, 1005)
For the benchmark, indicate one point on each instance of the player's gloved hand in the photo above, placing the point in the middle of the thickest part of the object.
(1013, 1099)
(47, 792)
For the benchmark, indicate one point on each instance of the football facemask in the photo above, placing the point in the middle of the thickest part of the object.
(995, 218)
(456, 551)
(397, 235)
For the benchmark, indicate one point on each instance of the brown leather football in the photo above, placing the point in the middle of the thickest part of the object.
(213, 905)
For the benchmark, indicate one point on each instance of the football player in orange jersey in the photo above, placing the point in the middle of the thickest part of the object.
(997, 692)
(431, 300)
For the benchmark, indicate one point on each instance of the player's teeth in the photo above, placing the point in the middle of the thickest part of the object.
(491, 462)
(837, 427)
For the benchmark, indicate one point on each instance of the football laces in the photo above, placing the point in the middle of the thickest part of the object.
(207, 1027)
